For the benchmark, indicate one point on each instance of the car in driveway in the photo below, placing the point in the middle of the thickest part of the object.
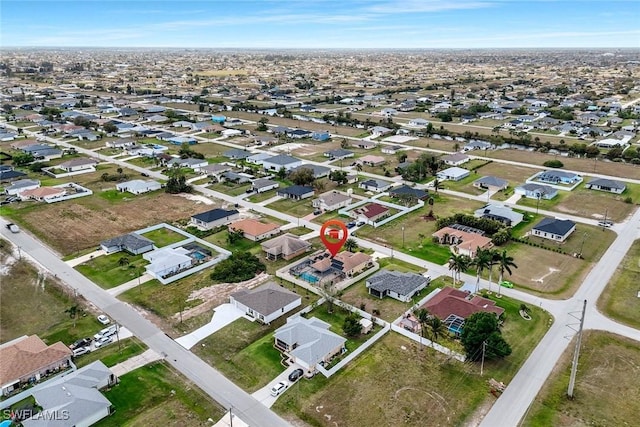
(84, 342)
(506, 284)
(295, 375)
(104, 319)
(277, 389)
(606, 224)
(79, 351)
(351, 224)
(103, 341)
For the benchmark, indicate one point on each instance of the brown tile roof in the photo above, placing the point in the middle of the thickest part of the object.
(43, 192)
(253, 227)
(466, 240)
(453, 301)
(372, 210)
(28, 356)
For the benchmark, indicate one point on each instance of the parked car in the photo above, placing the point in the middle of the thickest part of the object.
(506, 284)
(79, 351)
(277, 389)
(106, 332)
(360, 223)
(104, 319)
(351, 224)
(81, 343)
(318, 212)
(144, 174)
(293, 376)
(605, 223)
(13, 228)
(103, 341)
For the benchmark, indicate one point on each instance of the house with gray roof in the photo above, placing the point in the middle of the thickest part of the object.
(257, 158)
(263, 184)
(491, 183)
(500, 213)
(265, 303)
(397, 285)
(338, 154)
(308, 342)
(275, 163)
(237, 154)
(296, 192)
(554, 229)
(558, 177)
(331, 201)
(287, 246)
(73, 399)
(214, 218)
(21, 185)
(453, 174)
(455, 159)
(536, 191)
(133, 243)
(603, 184)
(406, 191)
(375, 185)
(318, 171)
(138, 186)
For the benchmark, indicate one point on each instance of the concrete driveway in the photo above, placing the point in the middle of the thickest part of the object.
(264, 394)
(222, 316)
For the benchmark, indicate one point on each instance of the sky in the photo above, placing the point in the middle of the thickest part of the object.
(315, 24)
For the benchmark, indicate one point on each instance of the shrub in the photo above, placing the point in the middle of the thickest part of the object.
(628, 200)
(238, 267)
(553, 164)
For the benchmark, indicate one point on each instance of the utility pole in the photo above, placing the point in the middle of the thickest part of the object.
(604, 223)
(576, 354)
(484, 347)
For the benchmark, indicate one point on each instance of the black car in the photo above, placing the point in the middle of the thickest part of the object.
(81, 343)
(144, 174)
(351, 225)
(293, 376)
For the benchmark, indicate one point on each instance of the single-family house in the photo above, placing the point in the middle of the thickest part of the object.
(138, 186)
(491, 183)
(265, 303)
(234, 177)
(554, 229)
(237, 154)
(257, 158)
(167, 261)
(453, 174)
(8, 174)
(255, 230)
(463, 242)
(214, 218)
(397, 285)
(377, 131)
(28, 359)
(43, 194)
(331, 201)
(318, 171)
(308, 342)
(299, 133)
(363, 144)
(392, 149)
(21, 185)
(453, 306)
(371, 212)
(323, 135)
(192, 163)
(372, 160)
(603, 184)
(120, 143)
(263, 185)
(455, 159)
(43, 152)
(345, 263)
(500, 213)
(419, 122)
(133, 243)
(477, 145)
(558, 177)
(277, 162)
(408, 192)
(181, 139)
(536, 191)
(296, 192)
(338, 154)
(215, 169)
(287, 246)
(375, 185)
(75, 395)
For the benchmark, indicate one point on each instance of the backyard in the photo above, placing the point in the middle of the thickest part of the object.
(164, 237)
(606, 390)
(109, 271)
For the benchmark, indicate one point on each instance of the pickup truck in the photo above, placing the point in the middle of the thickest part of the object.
(13, 228)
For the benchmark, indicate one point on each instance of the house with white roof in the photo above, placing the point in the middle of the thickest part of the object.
(138, 186)
(167, 261)
(453, 174)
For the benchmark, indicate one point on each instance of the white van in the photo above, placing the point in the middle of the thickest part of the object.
(106, 332)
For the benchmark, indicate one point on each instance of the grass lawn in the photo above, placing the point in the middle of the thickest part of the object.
(230, 188)
(293, 207)
(464, 185)
(113, 354)
(107, 272)
(164, 237)
(261, 197)
(156, 395)
(606, 391)
(619, 299)
(593, 204)
(220, 239)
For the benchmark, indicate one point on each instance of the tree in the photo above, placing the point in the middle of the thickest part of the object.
(480, 262)
(422, 315)
(262, 124)
(239, 267)
(123, 261)
(481, 329)
(505, 263)
(436, 327)
(282, 173)
(352, 326)
(302, 176)
(493, 260)
(402, 156)
(457, 264)
(177, 182)
(110, 127)
(119, 170)
(73, 313)
(21, 159)
(351, 245)
(338, 176)
(234, 236)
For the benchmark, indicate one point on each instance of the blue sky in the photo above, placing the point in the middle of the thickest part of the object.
(321, 23)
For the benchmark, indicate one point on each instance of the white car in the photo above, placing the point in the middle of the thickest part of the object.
(277, 389)
(102, 341)
(79, 351)
(104, 319)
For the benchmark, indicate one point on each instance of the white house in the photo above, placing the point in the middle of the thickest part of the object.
(167, 261)
(214, 218)
(453, 174)
(395, 284)
(138, 186)
(74, 165)
(375, 185)
(554, 229)
(21, 185)
(266, 303)
(275, 163)
(609, 185)
(455, 159)
(263, 185)
(331, 201)
(419, 122)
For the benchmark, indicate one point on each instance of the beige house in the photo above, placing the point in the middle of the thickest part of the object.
(255, 230)
(331, 201)
(287, 246)
(463, 242)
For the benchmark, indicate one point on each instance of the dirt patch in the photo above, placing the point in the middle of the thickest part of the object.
(217, 294)
(72, 226)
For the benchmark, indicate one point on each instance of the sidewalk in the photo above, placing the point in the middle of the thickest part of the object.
(135, 362)
(85, 258)
(130, 284)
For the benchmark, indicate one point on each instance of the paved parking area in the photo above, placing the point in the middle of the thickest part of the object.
(264, 394)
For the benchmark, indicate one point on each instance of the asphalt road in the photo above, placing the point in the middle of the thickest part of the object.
(203, 375)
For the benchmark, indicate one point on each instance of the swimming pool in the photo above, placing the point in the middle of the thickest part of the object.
(308, 277)
(198, 255)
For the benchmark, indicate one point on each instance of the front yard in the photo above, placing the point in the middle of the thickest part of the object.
(297, 208)
(113, 270)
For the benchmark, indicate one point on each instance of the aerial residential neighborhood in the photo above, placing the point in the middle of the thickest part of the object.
(276, 228)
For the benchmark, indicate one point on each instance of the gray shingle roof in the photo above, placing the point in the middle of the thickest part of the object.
(214, 215)
(130, 241)
(401, 283)
(603, 182)
(312, 336)
(555, 226)
(491, 181)
(266, 299)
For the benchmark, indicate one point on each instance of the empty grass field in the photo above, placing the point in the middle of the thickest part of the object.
(620, 298)
(298, 208)
(109, 271)
(606, 391)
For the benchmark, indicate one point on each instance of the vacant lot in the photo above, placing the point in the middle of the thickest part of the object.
(595, 204)
(620, 298)
(606, 391)
(156, 395)
(73, 225)
(516, 175)
(298, 208)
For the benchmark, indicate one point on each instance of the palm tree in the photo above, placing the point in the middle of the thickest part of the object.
(123, 261)
(494, 257)
(458, 263)
(437, 328)
(422, 314)
(480, 262)
(351, 245)
(505, 263)
(436, 185)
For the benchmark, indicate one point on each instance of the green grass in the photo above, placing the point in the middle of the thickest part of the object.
(114, 195)
(261, 197)
(230, 188)
(164, 237)
(106, 271)
(293, 207)
(619, 300)
(220, 239)
(155, 395)
(113, 353)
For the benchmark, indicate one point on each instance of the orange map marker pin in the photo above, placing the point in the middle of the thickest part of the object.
(334, 230)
